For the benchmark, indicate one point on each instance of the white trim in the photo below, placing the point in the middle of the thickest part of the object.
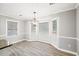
(42, 21)
(68, 37)
(30, 30)
(58, 30)
(12, 20)
(16, 41)
(37, 31)
(17, 27)
(56, 18)
(6, 29)
(64, 50)
(67, 51)
(77, 46)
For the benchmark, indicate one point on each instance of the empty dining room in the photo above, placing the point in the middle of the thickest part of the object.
(39, 29)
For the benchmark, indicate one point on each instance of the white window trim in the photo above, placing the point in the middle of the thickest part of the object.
(7, 28)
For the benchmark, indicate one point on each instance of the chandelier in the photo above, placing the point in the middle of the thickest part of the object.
(34, 18)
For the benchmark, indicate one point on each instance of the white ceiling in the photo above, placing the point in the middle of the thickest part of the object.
(27, 9)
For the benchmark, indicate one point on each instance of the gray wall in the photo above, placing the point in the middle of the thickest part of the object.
(68, 44)
(67, 28)
(77, 14)
(67, 23)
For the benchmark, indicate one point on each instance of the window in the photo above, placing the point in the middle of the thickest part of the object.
(54, 26)
(33, 27)
(12, 28)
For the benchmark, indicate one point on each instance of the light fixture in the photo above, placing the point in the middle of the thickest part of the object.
(34, 19)
(51, 3)
(20, 14)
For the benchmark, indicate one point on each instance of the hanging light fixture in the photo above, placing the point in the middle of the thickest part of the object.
(34, 19)
(51, 3)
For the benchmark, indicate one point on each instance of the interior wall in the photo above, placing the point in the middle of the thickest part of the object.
(77, 14)
(2, 25)
(67, 28)
(67, 23)
(11, 39)
(27, 29)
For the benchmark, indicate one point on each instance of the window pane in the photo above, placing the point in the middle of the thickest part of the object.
(54, 26)
(33, 28)
(44, 31)
(12, 28)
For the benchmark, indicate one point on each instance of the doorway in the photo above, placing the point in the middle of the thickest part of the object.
(44, 31)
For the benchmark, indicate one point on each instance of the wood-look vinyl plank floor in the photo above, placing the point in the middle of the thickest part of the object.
(32, 48)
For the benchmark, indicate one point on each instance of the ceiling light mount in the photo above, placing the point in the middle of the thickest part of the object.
(51, 3)
(20, 15)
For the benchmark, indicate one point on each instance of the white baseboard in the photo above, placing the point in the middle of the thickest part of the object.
(65, 50)
(17, 41)
(68, 51)
(20, 40)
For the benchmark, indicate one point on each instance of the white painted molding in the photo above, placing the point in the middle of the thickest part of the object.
(16, 41)
(68, 37)
(68, 51)
(7, 27)
(64, 49)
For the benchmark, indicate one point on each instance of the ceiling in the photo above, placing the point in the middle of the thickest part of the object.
(24, 11)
